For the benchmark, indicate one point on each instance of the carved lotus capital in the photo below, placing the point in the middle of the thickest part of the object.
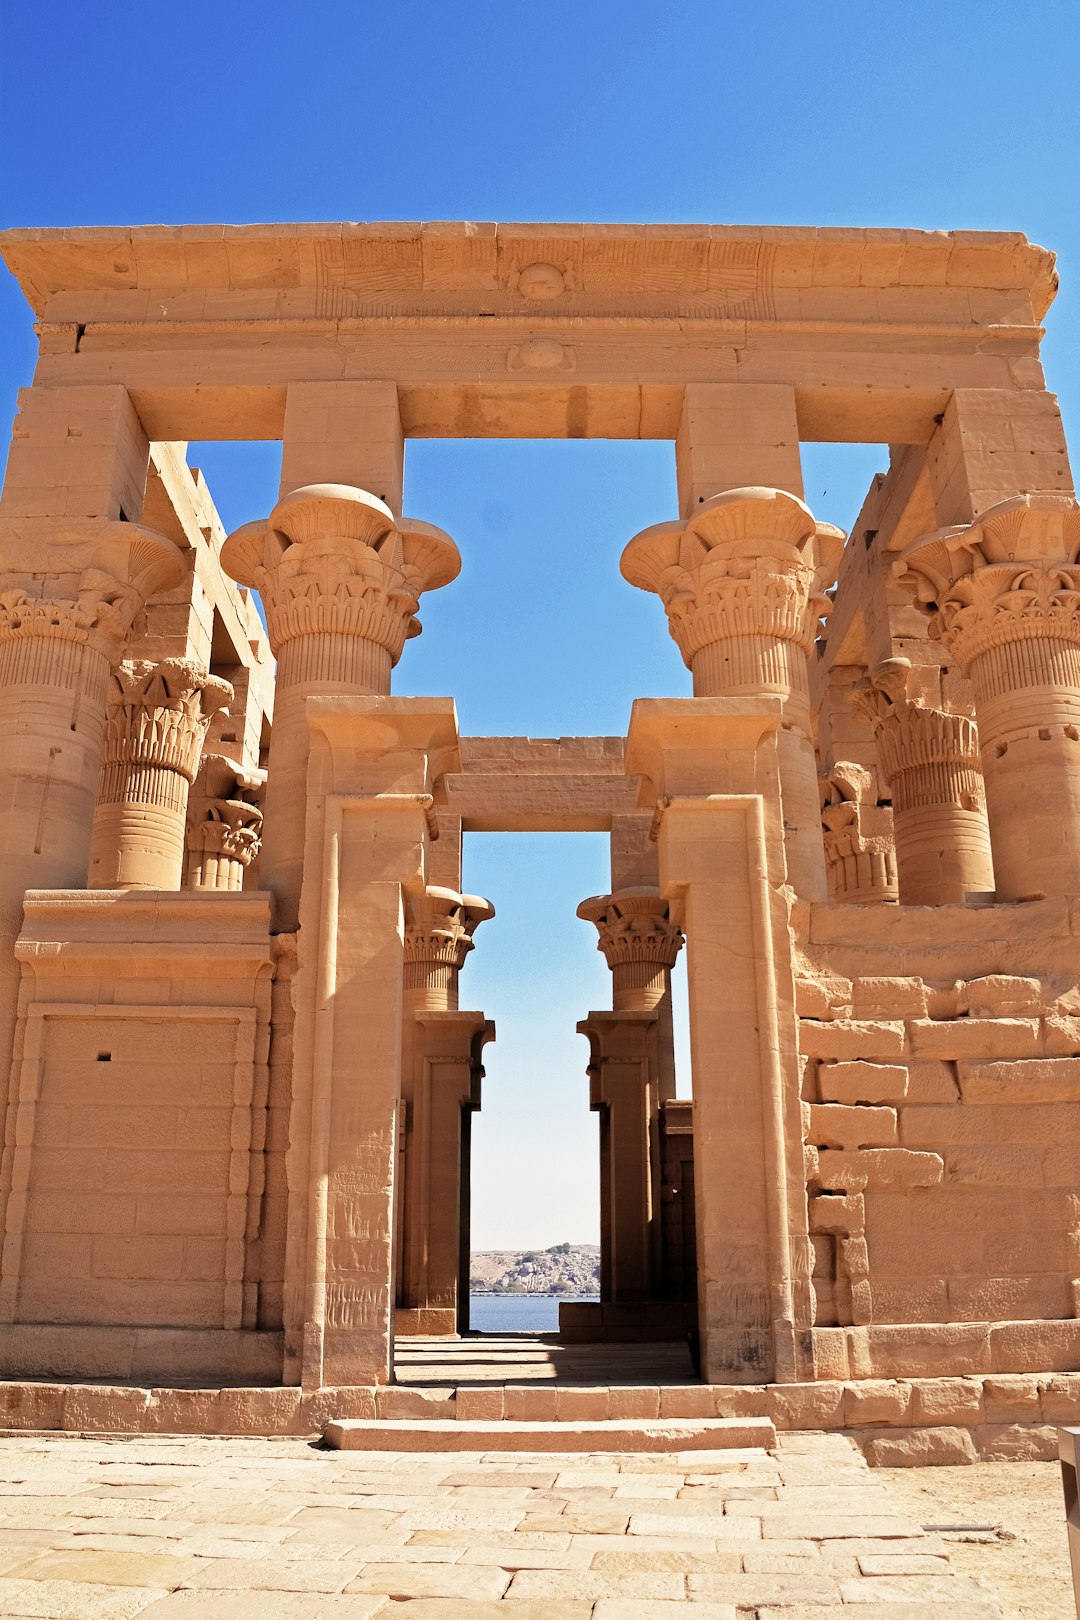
(750, 562)
(126, 565)
(333, 560)
(915, 735)
(159, 714)
(1014, 575)
(635, 926)
(439, 926)
(224, 810)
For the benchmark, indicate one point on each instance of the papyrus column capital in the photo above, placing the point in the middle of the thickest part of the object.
(639, 942)
(439, 928)
(858, 832)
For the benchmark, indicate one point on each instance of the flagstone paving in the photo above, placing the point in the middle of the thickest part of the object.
(109, 1528)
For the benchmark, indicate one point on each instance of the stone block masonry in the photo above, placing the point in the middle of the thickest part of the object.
(237, 1078)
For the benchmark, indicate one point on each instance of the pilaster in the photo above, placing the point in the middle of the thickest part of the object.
(373, 766)
(713, 773)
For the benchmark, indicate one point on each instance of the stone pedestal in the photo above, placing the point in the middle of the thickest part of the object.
(743, 580)
(340, 580)
(441, 1071)
(1003, 596)
(713, 769)
(154, 732)
(224, 828)
(930, 759)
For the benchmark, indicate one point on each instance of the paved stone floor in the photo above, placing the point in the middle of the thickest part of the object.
(100, 1528)
(521, 1358)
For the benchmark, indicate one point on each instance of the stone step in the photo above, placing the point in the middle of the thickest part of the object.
(462, 1434)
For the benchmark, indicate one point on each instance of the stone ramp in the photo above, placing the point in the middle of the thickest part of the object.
(460, 1434)
(159, 1528)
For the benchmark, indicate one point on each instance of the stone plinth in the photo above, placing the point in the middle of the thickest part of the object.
(154, 733)
(340, 580)
(743, 582)
(1003, 595)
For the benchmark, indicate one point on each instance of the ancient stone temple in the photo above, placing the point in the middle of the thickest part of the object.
(238, 1051)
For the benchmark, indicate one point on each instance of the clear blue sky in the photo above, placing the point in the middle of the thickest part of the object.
(947, 115)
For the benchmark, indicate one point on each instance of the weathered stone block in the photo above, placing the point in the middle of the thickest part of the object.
(919, 1448)
(845, 1038)
(860, 1082)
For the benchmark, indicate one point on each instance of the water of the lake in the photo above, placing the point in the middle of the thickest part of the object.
(514, 1313)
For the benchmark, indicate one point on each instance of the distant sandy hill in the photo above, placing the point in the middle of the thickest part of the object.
(568, 1268)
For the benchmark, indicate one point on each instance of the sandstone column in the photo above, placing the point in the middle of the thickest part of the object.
(340, 580)
(1003, 595)
(440, 1081)
(742, 580)
(224, 823)
(630, 1085)
(154, 732)
(55, 659)
(930, 759)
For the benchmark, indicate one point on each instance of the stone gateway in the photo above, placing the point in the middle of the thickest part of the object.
(239, 1080)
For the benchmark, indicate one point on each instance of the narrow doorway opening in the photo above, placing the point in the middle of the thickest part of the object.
(535, 1212)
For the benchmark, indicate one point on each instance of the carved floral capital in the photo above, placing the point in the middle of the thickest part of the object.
(926, 754)
(635, 927)
(748, 563)
(159, 715)
(127, 564)
(332, 561)
(224, 810)
(1012, 576)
